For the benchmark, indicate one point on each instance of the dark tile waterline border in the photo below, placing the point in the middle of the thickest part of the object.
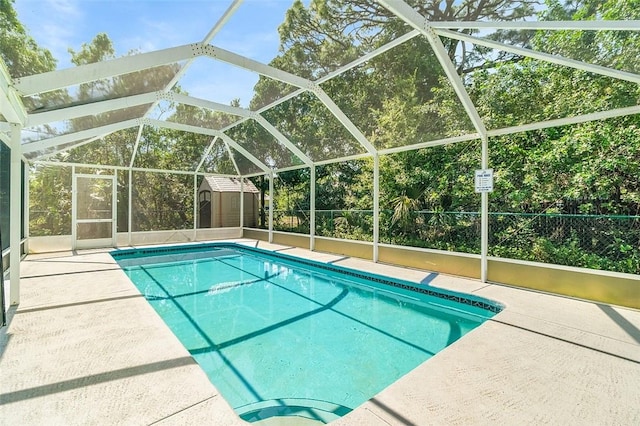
(463, 298)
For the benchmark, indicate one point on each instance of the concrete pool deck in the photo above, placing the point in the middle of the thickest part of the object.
(84, 347)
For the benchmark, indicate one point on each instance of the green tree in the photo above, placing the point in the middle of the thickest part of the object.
(49, 203)
(18, 49)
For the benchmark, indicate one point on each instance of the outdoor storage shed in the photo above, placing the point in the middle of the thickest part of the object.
(219, 202)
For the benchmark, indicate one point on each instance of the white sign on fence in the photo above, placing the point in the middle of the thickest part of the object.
(484, 180)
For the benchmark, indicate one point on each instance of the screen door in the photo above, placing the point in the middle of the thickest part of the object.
(94, 211)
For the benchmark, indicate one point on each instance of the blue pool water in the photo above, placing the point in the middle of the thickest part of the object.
(279, 337)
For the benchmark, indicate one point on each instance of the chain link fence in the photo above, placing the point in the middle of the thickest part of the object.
(453, 231)
(297, 221)
(346, 224)
(599, 242)
(590, 241)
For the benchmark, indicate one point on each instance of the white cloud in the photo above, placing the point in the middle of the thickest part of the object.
(52, 23)
(65, 9)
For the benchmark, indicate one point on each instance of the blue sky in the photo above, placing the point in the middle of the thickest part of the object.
(146, 25)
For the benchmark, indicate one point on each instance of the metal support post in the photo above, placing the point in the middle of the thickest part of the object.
(26, 208)
(74, 212)
(241, 206)
(195, 207)
(129, 210)
(271, 204)
(312, 209)
(114, 208)
(376, 205)
(484, 233)
(15, 214)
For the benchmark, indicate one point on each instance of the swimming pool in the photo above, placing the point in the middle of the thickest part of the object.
(283, 336)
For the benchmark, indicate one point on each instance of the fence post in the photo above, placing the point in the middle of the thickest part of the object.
(331, 222)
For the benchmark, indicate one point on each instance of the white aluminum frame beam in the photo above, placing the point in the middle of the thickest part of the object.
(253, 65)
(250, 175)
(405, 12)
(365, 58)
(584, 118)
(599, 25)
(101, 107)
(231, 156)
(134, 152)
(347, 158)
(282, 138)
(94, 108)
(546, 57)
(11, 106)
(290, 168)
(344, 120)
(235, 145)
(84, 134)
(206, 152)
(223, 20)
(66, 148)
(427, 144)
(53, 80)
(404, 148)
(456, 81)
(206, 104)
(4, 137)
(601, 115)
(126, 168)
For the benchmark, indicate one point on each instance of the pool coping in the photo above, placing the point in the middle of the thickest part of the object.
(543, 359)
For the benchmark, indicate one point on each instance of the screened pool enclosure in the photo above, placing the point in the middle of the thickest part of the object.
(112, 153)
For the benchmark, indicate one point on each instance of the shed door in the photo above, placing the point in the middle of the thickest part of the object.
(204, 199)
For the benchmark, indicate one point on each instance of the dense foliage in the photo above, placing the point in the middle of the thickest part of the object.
(543, 177)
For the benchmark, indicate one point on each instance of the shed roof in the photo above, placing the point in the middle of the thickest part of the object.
(228, 184)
